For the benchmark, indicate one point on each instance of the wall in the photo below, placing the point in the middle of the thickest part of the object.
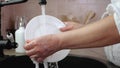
(59, 8)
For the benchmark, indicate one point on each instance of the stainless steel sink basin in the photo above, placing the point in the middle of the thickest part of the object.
(68, 62)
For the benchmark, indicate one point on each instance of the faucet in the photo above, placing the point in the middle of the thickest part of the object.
(43, 2)
(10, 2)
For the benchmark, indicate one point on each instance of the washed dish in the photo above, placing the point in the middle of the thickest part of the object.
(43, 25)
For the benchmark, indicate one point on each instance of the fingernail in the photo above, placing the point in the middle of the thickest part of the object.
(39, 59)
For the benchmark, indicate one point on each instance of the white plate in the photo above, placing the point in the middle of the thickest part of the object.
(36, 28)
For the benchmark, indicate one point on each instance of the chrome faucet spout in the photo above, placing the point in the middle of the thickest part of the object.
(43, 2)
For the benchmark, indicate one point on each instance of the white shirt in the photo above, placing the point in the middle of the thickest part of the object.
(114, 8)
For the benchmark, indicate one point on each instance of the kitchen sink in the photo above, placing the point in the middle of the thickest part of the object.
(69, 62)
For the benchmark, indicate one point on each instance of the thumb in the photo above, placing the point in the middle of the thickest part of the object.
(66, 28)
(27, 41)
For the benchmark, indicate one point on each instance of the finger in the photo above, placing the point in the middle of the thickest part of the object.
(40, 59)
(67, 28)
(28, 41)
(30, 45)
(35, 56)
(31, 52)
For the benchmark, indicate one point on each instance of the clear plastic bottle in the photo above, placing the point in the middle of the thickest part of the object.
(19, 37)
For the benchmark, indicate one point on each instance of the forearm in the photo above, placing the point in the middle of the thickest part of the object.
(98, 34)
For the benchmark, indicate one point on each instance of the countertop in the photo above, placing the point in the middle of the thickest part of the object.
(91, 52)
(96, 53)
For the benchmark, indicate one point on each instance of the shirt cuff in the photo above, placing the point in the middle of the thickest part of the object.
(114, 8)
(117, 21)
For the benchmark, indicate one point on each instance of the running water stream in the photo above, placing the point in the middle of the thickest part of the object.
(45, 63)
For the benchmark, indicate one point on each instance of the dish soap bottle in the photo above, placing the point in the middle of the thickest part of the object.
(19, 37)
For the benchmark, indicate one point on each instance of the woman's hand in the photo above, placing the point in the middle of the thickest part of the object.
(70, 26)
(42, 47)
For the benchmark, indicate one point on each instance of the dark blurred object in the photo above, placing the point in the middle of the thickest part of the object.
(68, 62)
(6, 44)
(10, 2)
(43, 2)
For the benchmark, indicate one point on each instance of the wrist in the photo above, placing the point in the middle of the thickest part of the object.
(58, 41)
(61, 42)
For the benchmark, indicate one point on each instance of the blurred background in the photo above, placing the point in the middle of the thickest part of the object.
(77, 9)
(65, 10)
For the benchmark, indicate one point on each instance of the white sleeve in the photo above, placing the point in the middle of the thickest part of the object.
(117, 14)
(117, 21)
(114, 8)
